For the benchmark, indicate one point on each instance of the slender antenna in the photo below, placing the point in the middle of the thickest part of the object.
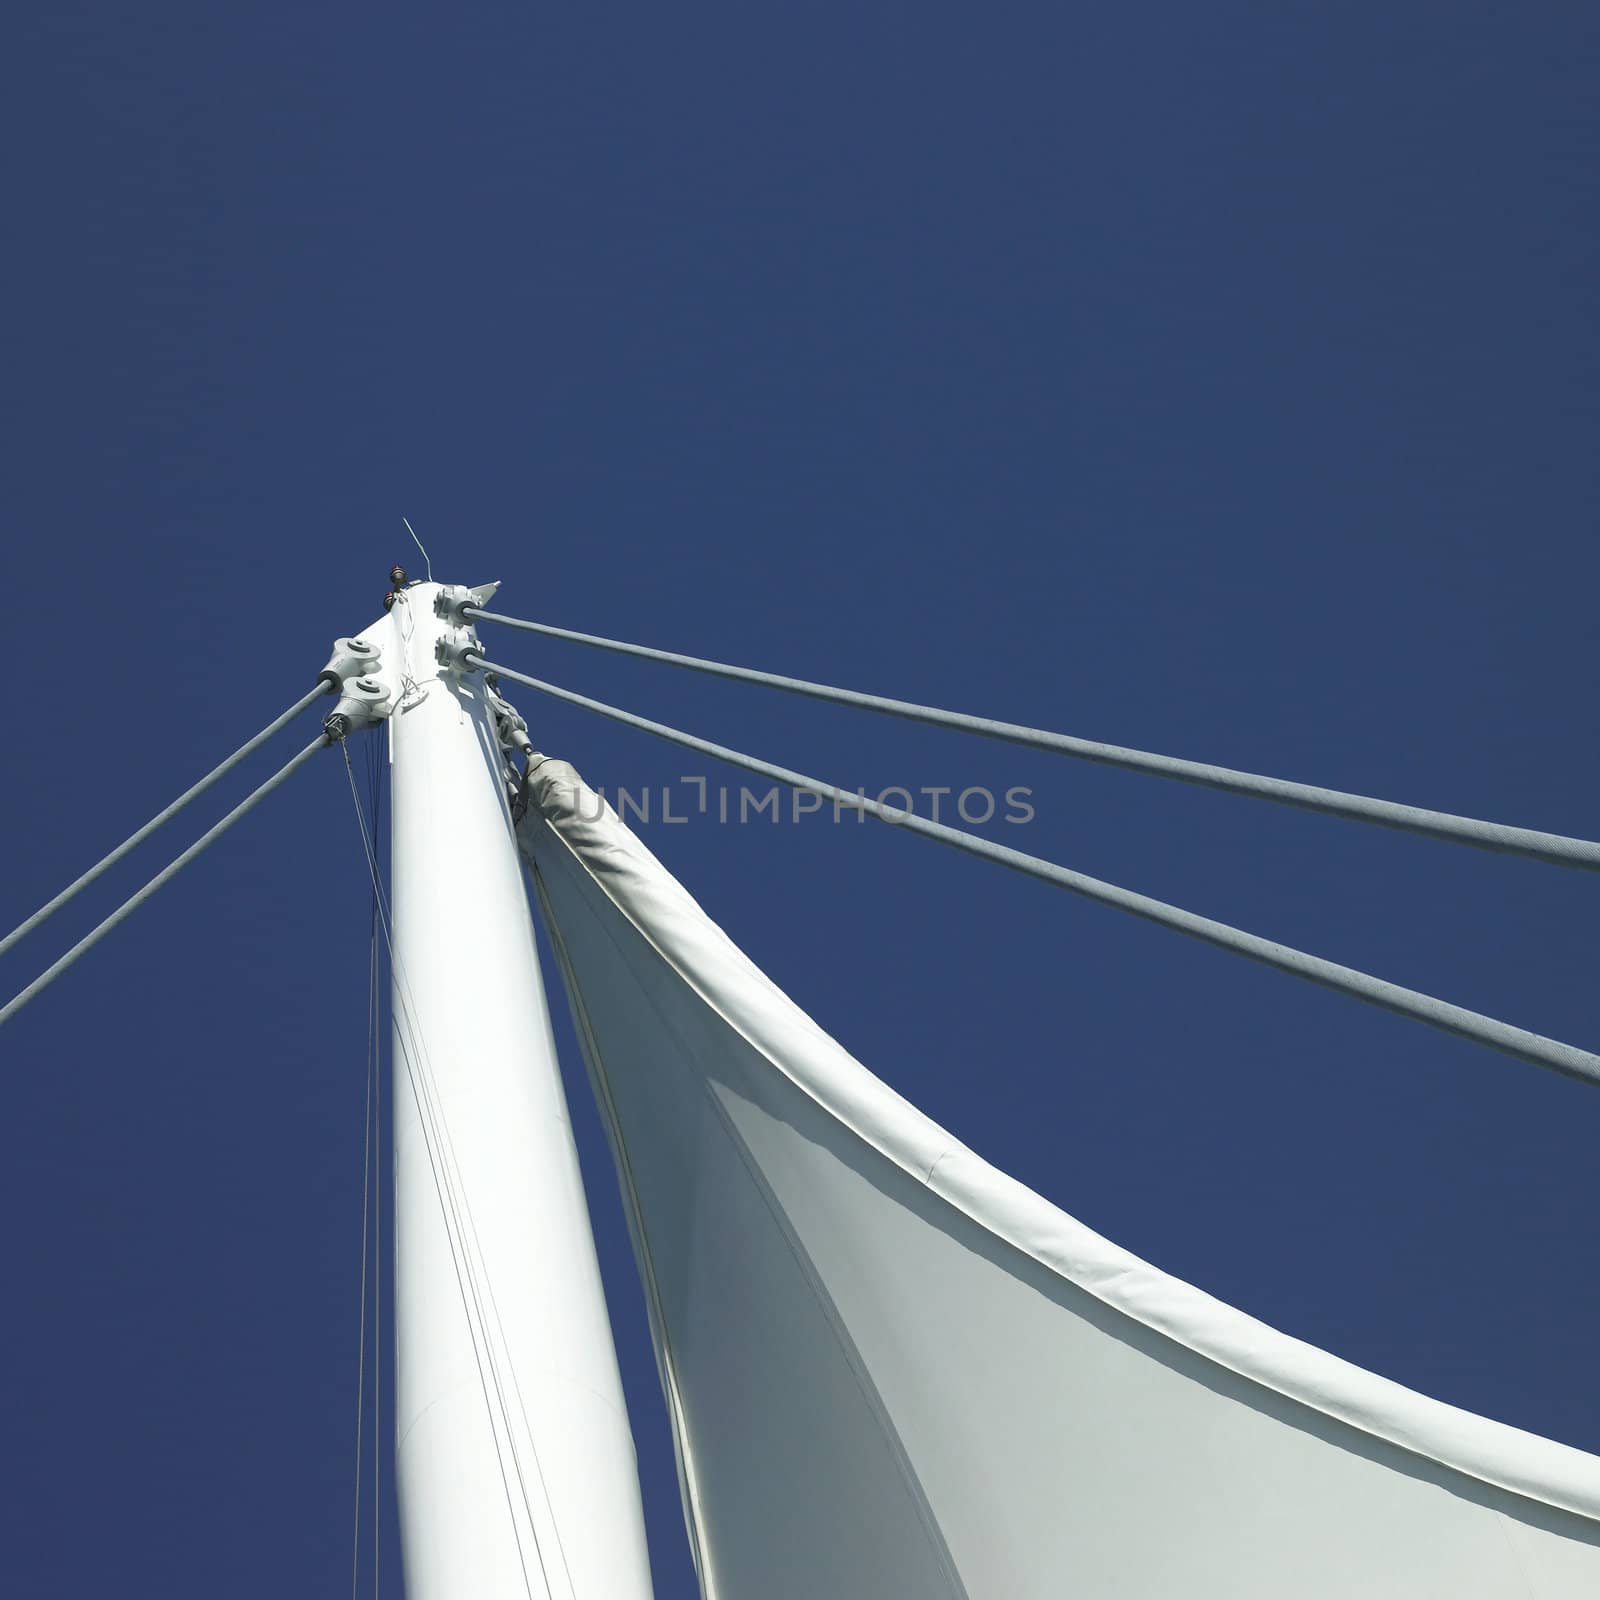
(413, 532)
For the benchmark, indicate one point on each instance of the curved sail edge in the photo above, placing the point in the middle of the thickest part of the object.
(892, 1369)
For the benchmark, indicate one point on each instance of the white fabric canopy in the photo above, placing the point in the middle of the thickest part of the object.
(893, 1371)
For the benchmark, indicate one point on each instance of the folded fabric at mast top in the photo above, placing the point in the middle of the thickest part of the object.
(1557, 849)
(893, 1370)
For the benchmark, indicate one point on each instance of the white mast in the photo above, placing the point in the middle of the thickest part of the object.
(515, 1464)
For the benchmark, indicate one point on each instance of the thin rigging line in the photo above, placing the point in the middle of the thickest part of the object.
(466, 1224)
(366, 1194)
(429, 1121)
(134, 901)
(1519, 1042)
(423, 1092)
(410, 1042)
(482, 1284)
(479, 1284)
(471, 1242)
(1557, 849)
(50, 907)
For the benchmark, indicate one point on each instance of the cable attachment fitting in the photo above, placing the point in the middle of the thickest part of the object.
(509, 727)
(351, 658)
(362, 701)
(453, 647)
(452, 600)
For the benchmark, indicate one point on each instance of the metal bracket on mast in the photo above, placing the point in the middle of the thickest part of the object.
(351, 658)
(453, 646)
(362, 702)
(453, 599)
(362, 698)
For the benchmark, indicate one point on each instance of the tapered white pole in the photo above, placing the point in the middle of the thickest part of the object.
(515, 1465)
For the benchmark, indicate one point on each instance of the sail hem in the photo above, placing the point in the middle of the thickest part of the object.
(672, 923)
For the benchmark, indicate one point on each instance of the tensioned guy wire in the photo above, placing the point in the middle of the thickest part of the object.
(1502, 1036)
(171, 870)
(1555, 848)
(135, 839)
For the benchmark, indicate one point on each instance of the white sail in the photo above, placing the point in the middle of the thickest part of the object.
(894, 1371)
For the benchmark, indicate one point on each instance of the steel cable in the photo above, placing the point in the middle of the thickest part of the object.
(171, 870)
(1555, 848)
(134, 839)
(1519, 1042)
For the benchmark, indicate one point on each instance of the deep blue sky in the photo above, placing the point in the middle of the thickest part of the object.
(1218, 379)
